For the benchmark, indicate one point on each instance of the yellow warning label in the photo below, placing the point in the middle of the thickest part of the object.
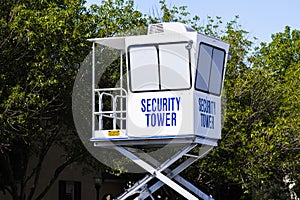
(113, 133)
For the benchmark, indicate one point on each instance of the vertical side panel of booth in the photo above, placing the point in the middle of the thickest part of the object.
(207, 115)
(210, 64)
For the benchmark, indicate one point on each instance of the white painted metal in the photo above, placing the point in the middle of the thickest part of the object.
(109, 114)
(93, 88)
(174, 174)
(165, 101)
(175, 51)
(113, 42)
(192, 188)
(145, 191)
(121, 86)
(158, 172)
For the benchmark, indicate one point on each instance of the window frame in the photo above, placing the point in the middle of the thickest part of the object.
(62, 189)
(210, 69)
(156, 45)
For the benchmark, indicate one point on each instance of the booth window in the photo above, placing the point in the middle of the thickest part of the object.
(159, 67)
(210, 67)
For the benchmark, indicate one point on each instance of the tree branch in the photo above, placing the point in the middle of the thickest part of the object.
(57, 172)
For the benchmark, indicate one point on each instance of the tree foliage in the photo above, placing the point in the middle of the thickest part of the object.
(41, 48)
(42, 44)
(260, 145)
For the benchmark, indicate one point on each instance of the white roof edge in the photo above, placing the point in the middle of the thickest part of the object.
(113, 42)
(119, 42)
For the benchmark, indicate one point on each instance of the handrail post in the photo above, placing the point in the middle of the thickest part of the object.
(121, 86)
(100, 110)
(93, 89)
(114, 114)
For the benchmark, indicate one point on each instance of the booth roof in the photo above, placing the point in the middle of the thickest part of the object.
(113, 42)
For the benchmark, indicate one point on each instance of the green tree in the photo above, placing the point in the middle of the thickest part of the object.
(260, 139)
(42, 46)
(281, 59)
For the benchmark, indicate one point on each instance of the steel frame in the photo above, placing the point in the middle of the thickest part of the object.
(164, 174)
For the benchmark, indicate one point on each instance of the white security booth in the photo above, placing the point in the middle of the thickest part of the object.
(171, 94)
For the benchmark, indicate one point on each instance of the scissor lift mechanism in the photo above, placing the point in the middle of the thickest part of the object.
(163, 173)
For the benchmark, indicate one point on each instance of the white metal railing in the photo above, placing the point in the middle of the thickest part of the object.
(115, 113)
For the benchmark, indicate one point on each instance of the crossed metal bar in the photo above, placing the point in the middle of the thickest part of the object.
(145, 191)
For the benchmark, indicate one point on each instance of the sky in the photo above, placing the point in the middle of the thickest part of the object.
(260, 18)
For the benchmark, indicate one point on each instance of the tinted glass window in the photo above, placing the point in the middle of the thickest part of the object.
(210, 67)
(159, 67)
(144, 68)
(203, 68)
(174, 66)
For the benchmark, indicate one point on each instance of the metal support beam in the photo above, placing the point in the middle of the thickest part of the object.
(157, 172)
(170, 174)
(192, 188)
(147, 162)
(174, 174)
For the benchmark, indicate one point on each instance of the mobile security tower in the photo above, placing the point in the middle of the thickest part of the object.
(174, 78)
